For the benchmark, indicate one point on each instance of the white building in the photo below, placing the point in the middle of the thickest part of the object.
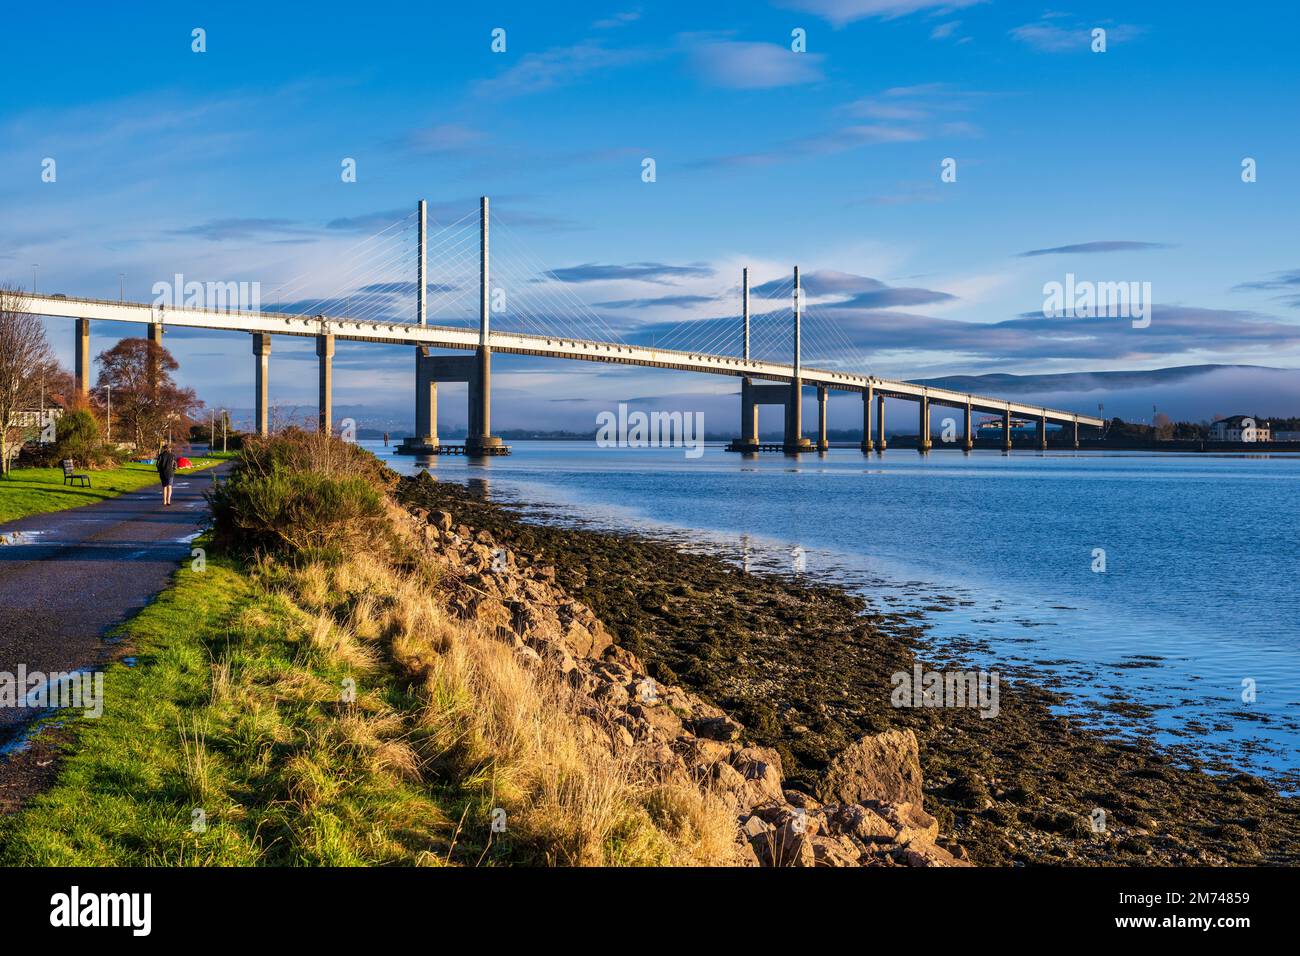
(1240, 428)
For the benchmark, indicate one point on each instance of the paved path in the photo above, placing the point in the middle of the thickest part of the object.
(74, 575)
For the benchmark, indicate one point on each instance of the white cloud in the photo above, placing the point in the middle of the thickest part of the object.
(754, 66)
(841, 12)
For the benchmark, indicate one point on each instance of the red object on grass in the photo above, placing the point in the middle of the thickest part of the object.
(183, 463)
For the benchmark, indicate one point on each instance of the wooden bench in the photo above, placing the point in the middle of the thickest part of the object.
(71, 477)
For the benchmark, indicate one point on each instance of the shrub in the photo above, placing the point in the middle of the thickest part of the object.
(77, 436)
(301, 495)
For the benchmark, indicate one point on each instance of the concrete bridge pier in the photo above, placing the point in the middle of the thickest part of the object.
(83, 357)
(867, 443)
(325, 401)
(923, 433)
(968, 437)
(480, 442)
(748, 440)
(1006, 431)
(155, 338)
(425, 440)
(794, 441)
(1076, 434)
(262, 354)
(1042, 433)
(823, 442)
(880, 425)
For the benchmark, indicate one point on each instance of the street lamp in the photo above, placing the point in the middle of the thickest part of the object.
(121, 287)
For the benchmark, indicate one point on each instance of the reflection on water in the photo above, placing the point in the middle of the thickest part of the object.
(999, 555)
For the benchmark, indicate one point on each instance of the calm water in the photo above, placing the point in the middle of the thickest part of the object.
(1200, 590)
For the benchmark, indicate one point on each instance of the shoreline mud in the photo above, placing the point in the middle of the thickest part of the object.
(808, 669)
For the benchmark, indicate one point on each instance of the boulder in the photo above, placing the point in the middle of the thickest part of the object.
(860, 822)
(717, 728)
(913, 825)
(834, 851)
(881, 767)
(761, 768)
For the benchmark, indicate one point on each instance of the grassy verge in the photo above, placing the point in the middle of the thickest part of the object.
(232, 709)
(238, 705)
(30, 491)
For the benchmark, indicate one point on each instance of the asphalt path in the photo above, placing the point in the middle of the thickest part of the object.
(68, 578)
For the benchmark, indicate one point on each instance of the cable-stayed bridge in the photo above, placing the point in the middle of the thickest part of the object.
(542, 317)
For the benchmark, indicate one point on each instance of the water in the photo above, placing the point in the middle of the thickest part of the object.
(1198, 603)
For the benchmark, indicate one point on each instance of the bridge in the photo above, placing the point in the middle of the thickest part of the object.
(763, 381)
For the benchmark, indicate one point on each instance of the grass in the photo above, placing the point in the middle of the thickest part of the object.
(339, 715)
(31, 491)
(229, 712)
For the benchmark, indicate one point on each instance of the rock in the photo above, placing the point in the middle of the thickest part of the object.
(761, 769)
(727, 778)
(801, 800)
(786, 845)
(665, 723)
(914, 825)
(834, 851)
(612, 694)
(441, 520)
(717, 728)
(861, 823)
(882, 767)
(624, 658)
(930, 855)
(700, 753)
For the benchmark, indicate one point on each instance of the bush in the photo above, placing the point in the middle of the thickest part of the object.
(78, 436)
(301, 495)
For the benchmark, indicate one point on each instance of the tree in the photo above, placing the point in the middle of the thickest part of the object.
(26, 360)
(146, 400)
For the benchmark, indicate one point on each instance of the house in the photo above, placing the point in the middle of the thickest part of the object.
(1240, 428)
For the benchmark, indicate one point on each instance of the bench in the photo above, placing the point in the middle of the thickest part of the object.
(71, 477)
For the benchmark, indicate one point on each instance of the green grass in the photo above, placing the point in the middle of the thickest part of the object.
(231, 709)
(32, 491)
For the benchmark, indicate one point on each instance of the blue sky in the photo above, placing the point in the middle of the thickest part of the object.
(1115, 166)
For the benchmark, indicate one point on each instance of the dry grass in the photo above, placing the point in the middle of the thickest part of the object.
(504, 732)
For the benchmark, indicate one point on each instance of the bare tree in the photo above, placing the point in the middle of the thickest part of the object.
(26, 360)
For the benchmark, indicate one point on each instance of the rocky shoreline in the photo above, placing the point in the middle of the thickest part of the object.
(780, 693)
(867, 811)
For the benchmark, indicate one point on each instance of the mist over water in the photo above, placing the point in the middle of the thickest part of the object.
(996, 555)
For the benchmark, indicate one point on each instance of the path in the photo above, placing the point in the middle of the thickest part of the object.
(73, 575)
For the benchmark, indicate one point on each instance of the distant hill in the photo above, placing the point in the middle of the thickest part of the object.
(1185, 393)
(998, 383)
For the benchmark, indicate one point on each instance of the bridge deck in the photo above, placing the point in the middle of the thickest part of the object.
(519, 343)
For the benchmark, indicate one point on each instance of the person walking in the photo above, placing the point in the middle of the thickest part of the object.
(166, 463)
